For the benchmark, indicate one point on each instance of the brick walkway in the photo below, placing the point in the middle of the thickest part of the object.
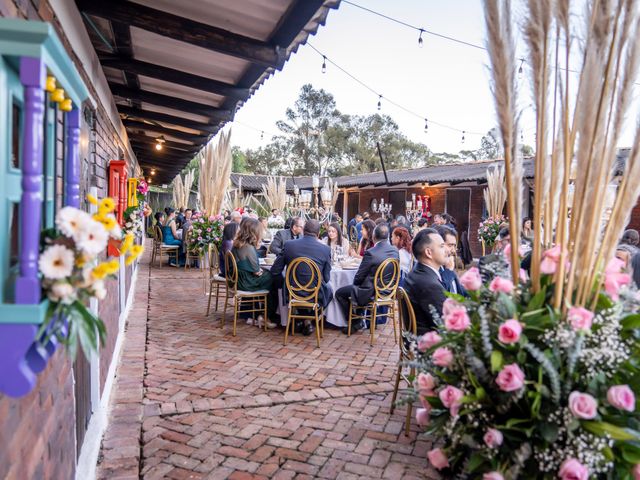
(191, 401)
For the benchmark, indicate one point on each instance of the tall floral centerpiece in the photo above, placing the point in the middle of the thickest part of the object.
(489, 228)
(535, 375)
(206, 231)
(73, 274)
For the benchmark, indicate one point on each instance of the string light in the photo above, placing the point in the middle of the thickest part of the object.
(159, 141)
(387, 100)
(463, 132)
(420, 41)
(153, 171)
(426, 125)
(262, 135)
(520, 70)
(324, 64)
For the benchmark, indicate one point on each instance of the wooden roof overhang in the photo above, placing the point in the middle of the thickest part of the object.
(181, 69)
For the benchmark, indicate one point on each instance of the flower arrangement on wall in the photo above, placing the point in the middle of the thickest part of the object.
(72, 272)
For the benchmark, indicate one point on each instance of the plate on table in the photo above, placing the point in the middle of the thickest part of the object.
(349, 265)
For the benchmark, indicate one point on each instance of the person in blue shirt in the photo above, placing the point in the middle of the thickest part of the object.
(365, 216)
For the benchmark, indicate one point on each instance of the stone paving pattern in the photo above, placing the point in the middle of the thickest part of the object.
(192, 402)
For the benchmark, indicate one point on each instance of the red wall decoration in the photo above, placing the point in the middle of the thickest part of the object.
(118, 192)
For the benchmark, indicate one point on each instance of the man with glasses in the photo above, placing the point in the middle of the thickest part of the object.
(283, 236)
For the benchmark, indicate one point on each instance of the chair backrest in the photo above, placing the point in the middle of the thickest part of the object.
(353, 234)
(158, 234)
(231, 271)
(214, 260)
(303, 280)
(386, 279)
(407, 321)
(186, 235)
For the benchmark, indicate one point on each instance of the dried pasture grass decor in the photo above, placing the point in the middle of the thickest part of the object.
(275, 192)
(215, 171)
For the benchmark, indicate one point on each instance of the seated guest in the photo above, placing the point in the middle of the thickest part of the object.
(438, 219)
(352, 225)
(170, 235)
(180, 217)
(283, 236)
(625, 253)
(401, 239)
(424, 284)
(365, 216)
(275, 217)
(236, 216)
(448, 272)
(362, 290)
(186, 224)
(159, 216)
(632, 238)
(250, 276)
(308, 246)
(635, 267)
(366, 242)
(265, 227)
(228, 235)
(338, 245)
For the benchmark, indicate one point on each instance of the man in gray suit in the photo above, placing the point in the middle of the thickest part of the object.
(283, 236)
(362, 290)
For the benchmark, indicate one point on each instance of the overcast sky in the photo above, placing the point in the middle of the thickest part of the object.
(443, 81)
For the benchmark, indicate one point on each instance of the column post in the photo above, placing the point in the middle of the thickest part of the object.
(72, 161)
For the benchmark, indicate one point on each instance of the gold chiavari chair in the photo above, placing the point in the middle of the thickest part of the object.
(304, 295)
(241, 297)
(189, 255)
(215, 279)
(385, 283)
(162, 248)
(407, 321)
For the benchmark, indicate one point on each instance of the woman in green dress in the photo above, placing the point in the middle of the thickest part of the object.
(250, 276)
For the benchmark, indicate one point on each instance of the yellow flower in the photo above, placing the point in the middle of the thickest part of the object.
(91, 199)
(135, 252)
(100, 271)
(126, 243)
(107, 205)
(108, 221)
(113, 266)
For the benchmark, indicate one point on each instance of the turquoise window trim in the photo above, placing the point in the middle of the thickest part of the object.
(27, 38)
(24, 314)
(50, 165)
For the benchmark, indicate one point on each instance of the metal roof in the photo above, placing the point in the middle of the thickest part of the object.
(181, 69)
(451, 173)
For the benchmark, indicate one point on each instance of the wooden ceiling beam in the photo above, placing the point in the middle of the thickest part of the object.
(149, 127)
(162, 154)
(160, 100)
(163, 117)
(174, 76)
(186, 30)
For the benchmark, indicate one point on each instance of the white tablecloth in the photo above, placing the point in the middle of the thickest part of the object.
(333, 314)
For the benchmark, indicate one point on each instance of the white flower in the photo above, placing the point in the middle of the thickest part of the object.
(93, 238)
(116, 232)
(56, 262)
(98, 290)
(71, 221)
(62, 292)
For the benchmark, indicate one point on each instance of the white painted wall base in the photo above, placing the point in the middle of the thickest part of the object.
(86, 468)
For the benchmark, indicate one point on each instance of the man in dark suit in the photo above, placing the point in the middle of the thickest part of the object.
(448, 272)
(424, 284)
(310, 247)
(283, 236)
(362, 290)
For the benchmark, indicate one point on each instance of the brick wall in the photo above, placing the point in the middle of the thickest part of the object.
(37, 432)
(634, 221)
(438, 202)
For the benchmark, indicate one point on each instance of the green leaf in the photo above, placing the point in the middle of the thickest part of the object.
(497, 360)
(475, 461)
(631, 322)
(538, 300)
(549, 432)
(630, 452)
(617, 433)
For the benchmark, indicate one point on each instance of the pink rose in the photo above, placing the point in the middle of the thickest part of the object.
(572, 469)
(636, 472)
(613, 282)
(553, 253)
(500, 284)
(583, 405)
(510, 378)
(442, 357)
(492, 476)
(524, 278)
(622, 397)
(438, 459)
(509, 331)
(548, 266)
(449, 306)
(426, 384)
(471, 279)
(615, 265)
(580, 318)
(451, 398)
(457, 319)
(422, 417)
(493, 438)
(428, 340)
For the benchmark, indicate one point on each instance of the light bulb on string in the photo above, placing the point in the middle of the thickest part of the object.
(379, 102)
(426, 125)
(420, 41)
(462, 140)
(521, 70)
(324, 64)
(262, 135)
(521, 138)
(159, 141)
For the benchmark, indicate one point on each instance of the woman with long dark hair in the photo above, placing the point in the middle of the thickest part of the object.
(339, 245)
(170, 235)
(368, 226)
